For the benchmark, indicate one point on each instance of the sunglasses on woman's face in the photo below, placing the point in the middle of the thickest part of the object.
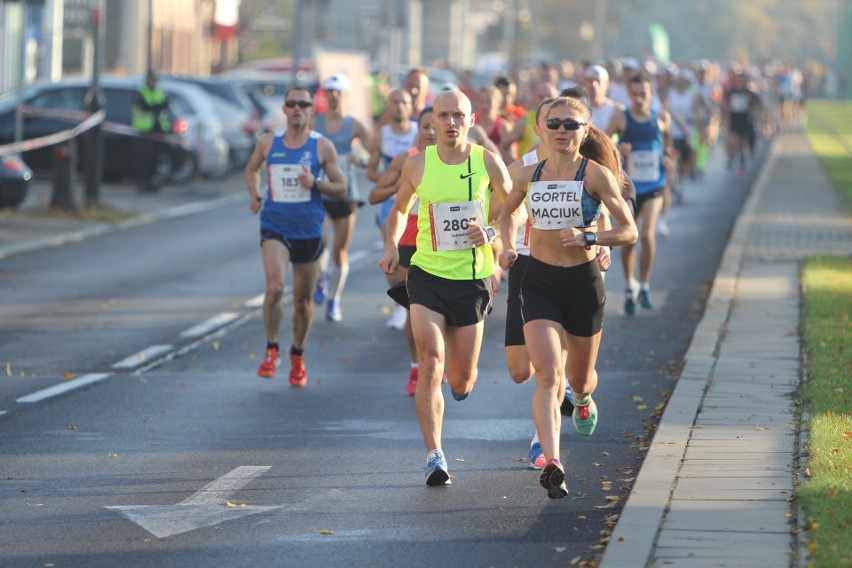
(568, 123)
(300, 104)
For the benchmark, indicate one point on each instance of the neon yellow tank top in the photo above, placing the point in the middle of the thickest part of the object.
(444, 183)
(529, 139)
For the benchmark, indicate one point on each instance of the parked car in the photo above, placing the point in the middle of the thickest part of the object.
(202, 129)
(119, 140)
(15, 178)
(240, 120)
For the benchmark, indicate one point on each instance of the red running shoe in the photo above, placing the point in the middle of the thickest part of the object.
(298, 373)
(270, 361)
(412, 382)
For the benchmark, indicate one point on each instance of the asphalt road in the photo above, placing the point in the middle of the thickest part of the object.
(139, 467)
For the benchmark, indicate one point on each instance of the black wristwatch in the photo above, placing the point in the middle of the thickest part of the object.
(590, 239)
(492, 234)
(316, 183)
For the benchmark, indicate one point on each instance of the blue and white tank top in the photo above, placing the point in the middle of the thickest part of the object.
(291, 210)
(644, 165)
(394, 144)
(342, 140)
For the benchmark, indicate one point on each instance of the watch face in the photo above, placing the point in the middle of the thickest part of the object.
(590, 238)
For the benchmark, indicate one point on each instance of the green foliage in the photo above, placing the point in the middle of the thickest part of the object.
(830, 134)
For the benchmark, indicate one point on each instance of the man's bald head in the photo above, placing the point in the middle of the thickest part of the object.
(452, 117)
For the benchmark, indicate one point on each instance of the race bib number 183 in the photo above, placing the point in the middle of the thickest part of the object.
(449, 223)
(284, 184)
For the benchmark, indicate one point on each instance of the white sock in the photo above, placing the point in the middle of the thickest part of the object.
(535, 439)
(414, 365)
(646, 286)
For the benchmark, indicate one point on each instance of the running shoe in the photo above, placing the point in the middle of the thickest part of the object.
(629, 302)
(645, 300)
(585, 417)
(322, 288)
(552, 478)
(436, 469)
(536, 456)
(398, 317)
(270, 361)
(411, 388)
(567, 406)
(663, 227)
(298, 373)
(332, 312)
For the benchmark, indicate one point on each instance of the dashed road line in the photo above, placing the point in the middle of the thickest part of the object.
(62, 388)
(142, 357)
(209, 325)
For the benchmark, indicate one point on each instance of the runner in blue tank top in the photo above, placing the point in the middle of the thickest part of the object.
(291, 218)
(645, 143)
(342, 130)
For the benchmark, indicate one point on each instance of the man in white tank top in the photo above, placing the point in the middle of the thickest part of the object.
(596, 82)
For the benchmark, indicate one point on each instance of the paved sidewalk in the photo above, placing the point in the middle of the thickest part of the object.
(29, 228)
(715, 487)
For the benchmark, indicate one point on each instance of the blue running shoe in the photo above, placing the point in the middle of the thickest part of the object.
(552, 478)
(629, 303)
(322, 288)
(567, 406)
(585, 417)
(536, 456)
(645, 300)
(436, 469)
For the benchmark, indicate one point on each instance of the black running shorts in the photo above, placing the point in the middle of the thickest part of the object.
(514, 318)
(572, 296)
(302, 251)
(461, 302)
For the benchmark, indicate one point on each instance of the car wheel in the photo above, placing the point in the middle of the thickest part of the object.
(187, 171)
(163, 171)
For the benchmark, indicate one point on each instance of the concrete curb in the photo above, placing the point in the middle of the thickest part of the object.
(633, 541)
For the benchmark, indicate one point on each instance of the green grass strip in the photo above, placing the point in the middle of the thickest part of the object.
(827, 332)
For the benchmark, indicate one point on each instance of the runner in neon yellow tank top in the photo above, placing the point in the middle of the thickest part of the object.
(450, 283)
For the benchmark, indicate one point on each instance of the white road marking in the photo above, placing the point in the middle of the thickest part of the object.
(209, 325)
(62, 388)
(255, 302)
(142, 357)
(205, 508)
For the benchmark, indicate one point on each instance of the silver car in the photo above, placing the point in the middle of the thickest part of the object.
(203, 130)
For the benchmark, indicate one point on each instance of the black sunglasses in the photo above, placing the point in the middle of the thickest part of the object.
(300, 104)
(568, 123)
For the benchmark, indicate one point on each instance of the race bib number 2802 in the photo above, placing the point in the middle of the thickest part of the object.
(449, 223)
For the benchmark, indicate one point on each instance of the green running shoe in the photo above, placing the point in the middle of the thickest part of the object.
(585, 416)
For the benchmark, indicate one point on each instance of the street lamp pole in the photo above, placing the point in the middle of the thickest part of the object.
(22, 63)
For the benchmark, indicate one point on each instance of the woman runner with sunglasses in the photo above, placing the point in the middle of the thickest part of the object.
(562, 292)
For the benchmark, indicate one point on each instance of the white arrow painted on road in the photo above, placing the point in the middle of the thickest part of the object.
(206, 508)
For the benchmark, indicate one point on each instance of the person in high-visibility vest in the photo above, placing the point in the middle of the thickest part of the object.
(149, 115)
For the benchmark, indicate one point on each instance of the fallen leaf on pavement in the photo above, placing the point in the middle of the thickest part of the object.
(234, 505)
(325, 531)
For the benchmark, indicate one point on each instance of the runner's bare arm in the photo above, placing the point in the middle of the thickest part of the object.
(388, 184)
(509, 220)
(375, 156)
(601, 184)
(252, 171)
(412, 173)
(335, 183)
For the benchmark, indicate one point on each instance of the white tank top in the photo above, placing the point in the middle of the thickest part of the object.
(602, 114)
(681, 105)
(394, 144)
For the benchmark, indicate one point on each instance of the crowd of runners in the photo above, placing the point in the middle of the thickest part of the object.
(532, 179)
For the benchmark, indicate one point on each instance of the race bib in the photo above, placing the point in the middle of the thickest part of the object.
(644, 165)
(449, 223)
(284, 184)
(555, 205)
